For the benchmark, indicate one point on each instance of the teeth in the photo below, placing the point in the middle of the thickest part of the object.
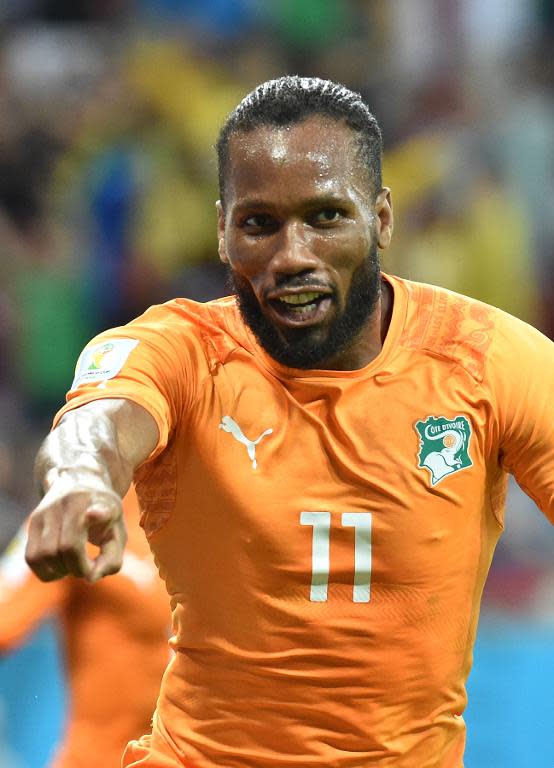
(300, 298)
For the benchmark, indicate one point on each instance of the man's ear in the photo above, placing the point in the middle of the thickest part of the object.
(385, 221)
(221, 232)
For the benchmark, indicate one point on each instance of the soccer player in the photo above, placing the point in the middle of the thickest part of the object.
(320, 459)
(114, 640)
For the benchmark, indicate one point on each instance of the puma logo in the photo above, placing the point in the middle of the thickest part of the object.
(231, 426)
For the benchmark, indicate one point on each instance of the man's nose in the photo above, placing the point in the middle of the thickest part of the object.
(295, 252)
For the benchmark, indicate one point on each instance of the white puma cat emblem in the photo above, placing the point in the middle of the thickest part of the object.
(229, 425)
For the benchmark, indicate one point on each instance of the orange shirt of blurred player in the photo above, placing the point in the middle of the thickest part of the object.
(115, 644)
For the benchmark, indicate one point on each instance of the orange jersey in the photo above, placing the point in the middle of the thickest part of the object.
(325, 535)
(114, 641)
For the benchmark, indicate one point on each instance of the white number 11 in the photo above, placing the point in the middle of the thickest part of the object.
(321, 523)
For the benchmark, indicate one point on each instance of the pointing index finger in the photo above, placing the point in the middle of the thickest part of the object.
(110, 558)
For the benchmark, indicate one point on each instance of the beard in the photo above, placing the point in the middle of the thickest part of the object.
(305, 347)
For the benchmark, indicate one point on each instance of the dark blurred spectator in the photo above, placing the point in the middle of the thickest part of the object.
(80, 10)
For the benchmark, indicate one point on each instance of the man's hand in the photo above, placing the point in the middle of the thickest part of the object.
(65, 522)
(84, 468)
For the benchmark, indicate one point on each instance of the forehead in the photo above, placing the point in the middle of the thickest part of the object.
(318, 151)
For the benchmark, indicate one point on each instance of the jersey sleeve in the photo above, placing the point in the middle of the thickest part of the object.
(24, 600)
(154, 361)
(521, 371)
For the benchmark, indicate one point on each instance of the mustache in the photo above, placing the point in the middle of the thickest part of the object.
(302, 280)
(236, 283)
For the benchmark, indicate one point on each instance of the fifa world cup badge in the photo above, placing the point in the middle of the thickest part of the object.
(102, 361)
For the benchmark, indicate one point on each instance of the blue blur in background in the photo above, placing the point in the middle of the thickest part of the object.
(32, 701)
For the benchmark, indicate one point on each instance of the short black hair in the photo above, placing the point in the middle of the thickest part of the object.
(292, 99)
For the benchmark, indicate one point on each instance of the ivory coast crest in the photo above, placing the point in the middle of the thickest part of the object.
(443, 445)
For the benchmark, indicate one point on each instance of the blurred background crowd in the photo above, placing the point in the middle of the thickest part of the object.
(109, 110)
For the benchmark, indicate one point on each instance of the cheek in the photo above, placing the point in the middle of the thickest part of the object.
(348, 259)
(249, 258)
(348, 252)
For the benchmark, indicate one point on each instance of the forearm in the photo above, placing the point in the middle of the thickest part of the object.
(84, 468)
(84, 449)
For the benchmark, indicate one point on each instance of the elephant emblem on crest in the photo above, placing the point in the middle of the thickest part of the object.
(444, 445)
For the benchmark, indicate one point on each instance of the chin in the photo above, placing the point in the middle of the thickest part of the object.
(313, 346)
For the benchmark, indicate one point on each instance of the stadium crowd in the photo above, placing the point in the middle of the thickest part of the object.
(107, 178)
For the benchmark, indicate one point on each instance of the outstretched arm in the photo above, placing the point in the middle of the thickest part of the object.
(83, 468)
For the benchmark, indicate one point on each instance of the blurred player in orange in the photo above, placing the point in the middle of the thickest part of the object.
(114, 638)
(321, 462)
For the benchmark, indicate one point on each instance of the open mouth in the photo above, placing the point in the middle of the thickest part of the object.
(299, 308)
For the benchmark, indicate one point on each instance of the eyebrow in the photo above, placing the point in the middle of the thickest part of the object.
(311, 202)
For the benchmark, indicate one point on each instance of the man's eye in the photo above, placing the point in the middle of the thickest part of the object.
(326, 216)
(259, 221)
